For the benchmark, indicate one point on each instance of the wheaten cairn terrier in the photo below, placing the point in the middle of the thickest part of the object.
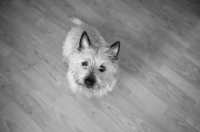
(92, 62)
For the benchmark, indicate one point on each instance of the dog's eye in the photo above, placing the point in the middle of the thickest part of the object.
(102, 68)
(85, 63)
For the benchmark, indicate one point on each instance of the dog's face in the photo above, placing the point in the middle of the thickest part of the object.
(93, 71)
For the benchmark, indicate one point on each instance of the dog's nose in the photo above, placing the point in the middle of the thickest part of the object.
(89, 81)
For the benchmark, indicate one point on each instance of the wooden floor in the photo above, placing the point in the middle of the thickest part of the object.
(159, 84)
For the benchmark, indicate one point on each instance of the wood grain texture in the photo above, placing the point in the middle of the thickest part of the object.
(159, 83)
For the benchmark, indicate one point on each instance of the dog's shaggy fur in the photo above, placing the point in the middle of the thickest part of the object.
(92, 62)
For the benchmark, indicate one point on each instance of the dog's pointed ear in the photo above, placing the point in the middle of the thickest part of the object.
(84, 41)
(115, 48)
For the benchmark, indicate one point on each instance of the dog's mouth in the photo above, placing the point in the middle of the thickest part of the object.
(85, 86)
(91, 89)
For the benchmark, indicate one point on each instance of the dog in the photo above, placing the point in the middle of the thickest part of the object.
(92, 62)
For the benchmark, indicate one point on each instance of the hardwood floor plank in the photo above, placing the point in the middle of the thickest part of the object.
(175, 119)
(76, 120)
(60, 18)
(47, 115)
(4, 99)
(14, 119)
(153, 81)
(5, 50)
(193, 119)
(138, 92)
(86, 13)
(182, 84)
(37, 74)
(140, 120)
(5, 73)
(10, 65)
(29, 9)
(186, 69)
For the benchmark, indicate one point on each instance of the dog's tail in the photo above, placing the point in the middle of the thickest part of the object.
(76, 21)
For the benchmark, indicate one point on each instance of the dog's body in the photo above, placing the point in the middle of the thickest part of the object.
(93, 63)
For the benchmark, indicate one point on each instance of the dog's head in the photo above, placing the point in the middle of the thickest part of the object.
(94, 69)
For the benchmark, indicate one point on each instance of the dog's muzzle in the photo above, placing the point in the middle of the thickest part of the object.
(90, 81)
